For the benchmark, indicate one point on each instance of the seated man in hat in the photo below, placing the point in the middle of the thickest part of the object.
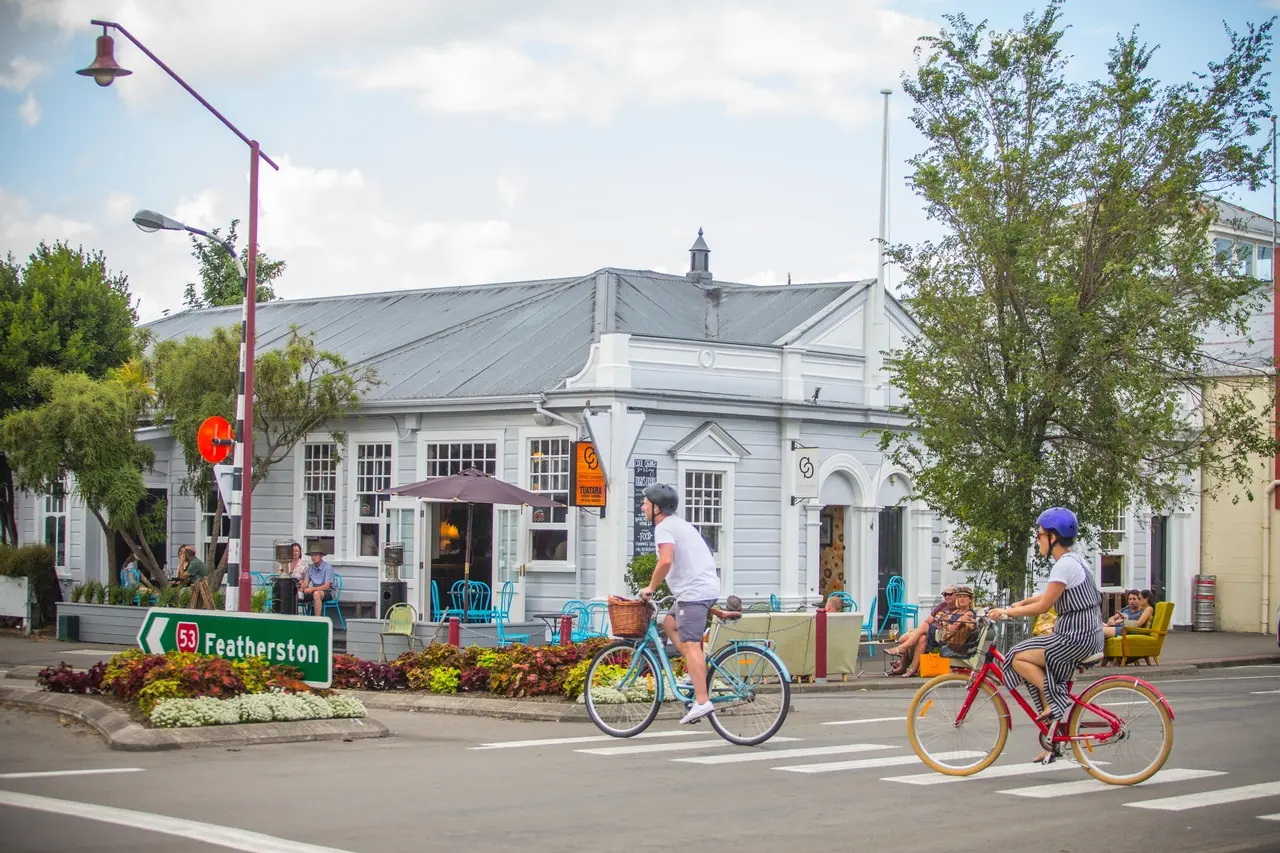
(317, 584)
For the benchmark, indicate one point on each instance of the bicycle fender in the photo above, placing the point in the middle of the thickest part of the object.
(1132, 679)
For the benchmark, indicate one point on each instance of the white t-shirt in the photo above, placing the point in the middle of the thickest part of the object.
(1069, 571)
(693, 568)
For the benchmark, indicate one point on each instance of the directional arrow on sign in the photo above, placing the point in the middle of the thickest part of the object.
(152, 643)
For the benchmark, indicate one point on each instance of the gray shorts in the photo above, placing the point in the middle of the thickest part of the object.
(691, 619)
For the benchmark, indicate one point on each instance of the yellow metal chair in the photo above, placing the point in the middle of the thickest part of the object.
(1140, 644)
(400, 622)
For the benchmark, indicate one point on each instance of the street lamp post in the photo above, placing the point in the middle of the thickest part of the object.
(150, 222)
(104, 70)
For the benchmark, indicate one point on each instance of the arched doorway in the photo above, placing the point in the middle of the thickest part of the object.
(839, 564)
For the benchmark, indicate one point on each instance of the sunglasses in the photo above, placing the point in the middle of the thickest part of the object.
(947, 593)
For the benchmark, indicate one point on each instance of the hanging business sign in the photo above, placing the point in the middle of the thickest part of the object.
(586, 476)
(645, 475)
(804, 465)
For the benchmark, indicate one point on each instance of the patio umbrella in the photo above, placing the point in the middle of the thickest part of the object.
(472, 486)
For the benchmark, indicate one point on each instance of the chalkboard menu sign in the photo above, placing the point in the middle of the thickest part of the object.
(646, 474)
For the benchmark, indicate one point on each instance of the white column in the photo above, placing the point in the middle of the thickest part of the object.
(921, 543)
(611, 533)
(813, 552)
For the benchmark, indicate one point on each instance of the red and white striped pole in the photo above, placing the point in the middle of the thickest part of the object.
(239, 552)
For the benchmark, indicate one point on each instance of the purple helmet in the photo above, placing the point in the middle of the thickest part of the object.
(1061, 519)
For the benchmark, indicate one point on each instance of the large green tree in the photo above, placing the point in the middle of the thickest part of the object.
(1062, 314)
(82, 431)
(220, 282)
(299, 389)
(61, 309)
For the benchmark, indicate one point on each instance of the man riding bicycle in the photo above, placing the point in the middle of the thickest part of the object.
(689, 568)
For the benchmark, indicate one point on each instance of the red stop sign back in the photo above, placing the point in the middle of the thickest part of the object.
(214, 439)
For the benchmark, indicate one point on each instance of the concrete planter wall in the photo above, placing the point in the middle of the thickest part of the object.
(106, 623)
(362, 636)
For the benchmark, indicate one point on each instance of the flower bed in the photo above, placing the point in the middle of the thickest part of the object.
(516, 672)
(187, 689)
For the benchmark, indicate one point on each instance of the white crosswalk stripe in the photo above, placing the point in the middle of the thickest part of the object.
(1091, 785)
(669, 747)
(1275, 816)
(1000, 772)
(779, 754)
(557, 741)
(872, 720)
(1216, 797)
(864, 763)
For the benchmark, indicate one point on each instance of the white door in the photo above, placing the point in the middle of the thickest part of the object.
(404, 526)
(506, 537)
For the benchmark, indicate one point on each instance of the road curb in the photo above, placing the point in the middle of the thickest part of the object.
(124, 734)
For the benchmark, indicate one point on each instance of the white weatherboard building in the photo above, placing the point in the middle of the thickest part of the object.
(721, 389)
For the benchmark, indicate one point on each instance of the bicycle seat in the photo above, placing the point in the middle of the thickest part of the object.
(1090, 661)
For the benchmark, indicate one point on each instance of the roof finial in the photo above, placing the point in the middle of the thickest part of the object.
(699, 259)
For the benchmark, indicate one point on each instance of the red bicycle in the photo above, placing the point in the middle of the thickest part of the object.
(1120, 728)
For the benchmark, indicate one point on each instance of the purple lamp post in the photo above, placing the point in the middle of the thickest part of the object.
(104, 70)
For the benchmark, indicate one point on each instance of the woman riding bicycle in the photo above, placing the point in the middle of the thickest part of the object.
(1046, 663)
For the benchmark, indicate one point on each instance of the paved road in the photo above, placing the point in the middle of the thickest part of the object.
(847, 780)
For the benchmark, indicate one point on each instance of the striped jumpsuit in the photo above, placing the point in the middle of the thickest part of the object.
(1077, 633)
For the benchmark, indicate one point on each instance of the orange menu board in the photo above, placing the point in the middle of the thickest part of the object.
(586, 476)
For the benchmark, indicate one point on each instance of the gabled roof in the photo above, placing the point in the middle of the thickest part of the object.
(513, 338)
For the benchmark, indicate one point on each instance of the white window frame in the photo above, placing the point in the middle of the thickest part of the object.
(353, 517)
(1123, 549)
(301, 531)
(495, 437)
(202, 537)
(728, 467)
(570, 562)
(46, 512)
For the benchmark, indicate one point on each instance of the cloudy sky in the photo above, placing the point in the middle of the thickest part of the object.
(432, 142)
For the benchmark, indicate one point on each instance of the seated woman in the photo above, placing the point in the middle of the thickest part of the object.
(949, 632)
(909, 639)
(1136, 614)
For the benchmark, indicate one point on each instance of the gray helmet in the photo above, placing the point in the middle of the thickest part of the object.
(662, 496)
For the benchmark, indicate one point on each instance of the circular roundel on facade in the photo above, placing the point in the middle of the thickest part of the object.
(826, 573)
(707, 358)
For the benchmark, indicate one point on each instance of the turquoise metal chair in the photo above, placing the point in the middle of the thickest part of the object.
(775, 604)
(438, 613)
(478, 601)
(895, 597)
(581, 619)
(846, 601)
(597, 624)
(261, 579)
(502, 613)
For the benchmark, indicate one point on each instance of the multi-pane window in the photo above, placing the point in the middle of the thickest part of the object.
(320, 489)
(1112, 564)
(444, 460)
(549, 475)
(373, 475)
(1240, 257)
(208, 514)
(55, 525)
(704, 505)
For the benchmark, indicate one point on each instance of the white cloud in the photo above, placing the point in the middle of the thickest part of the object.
(766, 277)
(22, 229)
(29, 110)
(827, 60)
(20, 74)
(509, 188)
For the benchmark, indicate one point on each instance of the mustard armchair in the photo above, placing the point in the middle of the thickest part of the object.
(1140, 644)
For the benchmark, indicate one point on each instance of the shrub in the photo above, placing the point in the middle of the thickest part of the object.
(63, 679)
(255, 672)
(168, 596)
(161, 689)
(256, 708)
(474, 680)
(77, 592)
(347, 672)
(575, 678)
(640, 571)
(116, 595)
(35, 563)
(258, 603)
(351, 673)
(444, 679)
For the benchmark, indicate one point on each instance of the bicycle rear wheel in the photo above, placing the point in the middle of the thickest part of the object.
(762, 696)
(1143, 743)
(957, 748)
(621, 690)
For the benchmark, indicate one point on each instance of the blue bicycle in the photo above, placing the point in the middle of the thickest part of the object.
(628, 680)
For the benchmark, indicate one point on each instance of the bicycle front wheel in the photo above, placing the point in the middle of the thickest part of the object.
(621, 689)
(947, 743)
(754, 696)
(1143, 743)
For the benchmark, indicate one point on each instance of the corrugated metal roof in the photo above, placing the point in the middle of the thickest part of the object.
(512, 338)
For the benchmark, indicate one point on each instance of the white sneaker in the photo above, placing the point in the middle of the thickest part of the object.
(697, 712)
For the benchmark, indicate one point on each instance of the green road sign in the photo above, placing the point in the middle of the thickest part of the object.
(305, 642)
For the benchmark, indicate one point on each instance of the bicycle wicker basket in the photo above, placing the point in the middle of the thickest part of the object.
(628, 617)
